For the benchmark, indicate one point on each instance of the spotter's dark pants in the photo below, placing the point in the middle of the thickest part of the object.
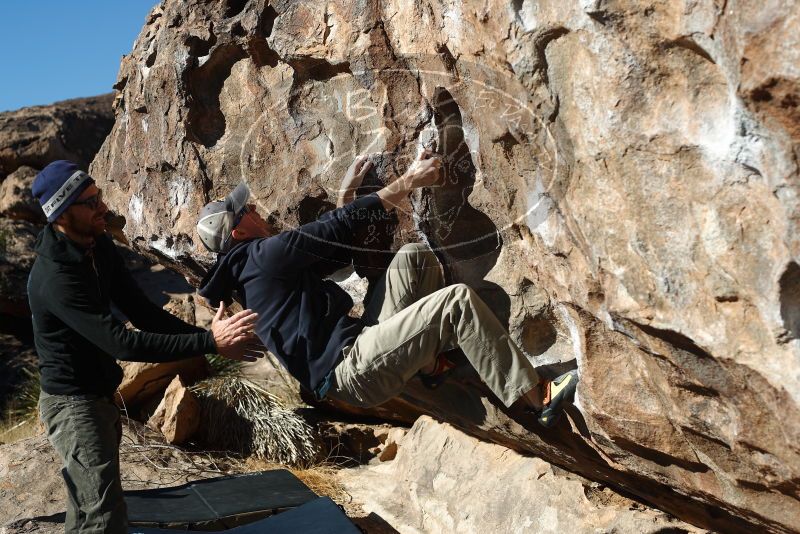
(85, 431)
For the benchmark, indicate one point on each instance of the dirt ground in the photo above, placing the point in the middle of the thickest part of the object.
(32, 495)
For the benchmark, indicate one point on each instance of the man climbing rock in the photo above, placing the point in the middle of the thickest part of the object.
(76, 277)
(409, 319)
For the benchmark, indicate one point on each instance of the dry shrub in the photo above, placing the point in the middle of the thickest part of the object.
(241, 416)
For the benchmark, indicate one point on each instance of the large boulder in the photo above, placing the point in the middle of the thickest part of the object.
(442, 480)
(70, 129)
(622, 189)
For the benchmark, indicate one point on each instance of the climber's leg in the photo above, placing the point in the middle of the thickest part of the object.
(385, 356)
(414, 273)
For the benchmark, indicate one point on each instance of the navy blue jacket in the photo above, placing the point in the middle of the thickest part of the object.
(303, 318)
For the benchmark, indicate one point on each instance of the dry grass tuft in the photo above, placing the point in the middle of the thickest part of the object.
(15, 431)
(20, 418)
(241, 416)
(321, 478)
(25, 399)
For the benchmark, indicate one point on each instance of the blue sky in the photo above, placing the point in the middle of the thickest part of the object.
(57, 49)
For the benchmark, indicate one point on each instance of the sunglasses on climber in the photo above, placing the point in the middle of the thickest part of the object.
(242, 212)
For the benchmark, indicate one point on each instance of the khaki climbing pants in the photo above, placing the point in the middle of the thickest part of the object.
(417, 319)
(85, 431)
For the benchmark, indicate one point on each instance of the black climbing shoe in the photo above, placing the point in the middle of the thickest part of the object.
(441, 371)
(562, 392)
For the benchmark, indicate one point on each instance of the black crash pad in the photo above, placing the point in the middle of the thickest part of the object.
(217, 503)
(320, 516)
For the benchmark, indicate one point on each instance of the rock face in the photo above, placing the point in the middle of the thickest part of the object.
(359, 442)
(71, 129)
(444, 481)
(621, 187)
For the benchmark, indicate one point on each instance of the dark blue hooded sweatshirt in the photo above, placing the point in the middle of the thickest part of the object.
(303, 318)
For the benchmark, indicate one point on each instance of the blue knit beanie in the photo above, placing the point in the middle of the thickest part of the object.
(58, 185)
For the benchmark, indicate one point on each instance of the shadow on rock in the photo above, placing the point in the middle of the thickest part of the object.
(466, 240)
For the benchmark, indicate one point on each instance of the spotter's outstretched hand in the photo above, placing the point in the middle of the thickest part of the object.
(234, 335)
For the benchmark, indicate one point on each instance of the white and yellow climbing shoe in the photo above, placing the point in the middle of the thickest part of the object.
(562, 391)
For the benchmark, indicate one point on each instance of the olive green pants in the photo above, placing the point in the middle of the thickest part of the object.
(85, 431)
(415, 319)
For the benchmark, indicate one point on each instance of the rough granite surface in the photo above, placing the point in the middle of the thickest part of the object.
(621, 187)
(70, 129)
(443, 481)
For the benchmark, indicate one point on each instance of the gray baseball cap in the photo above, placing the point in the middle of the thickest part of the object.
(217, 219)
